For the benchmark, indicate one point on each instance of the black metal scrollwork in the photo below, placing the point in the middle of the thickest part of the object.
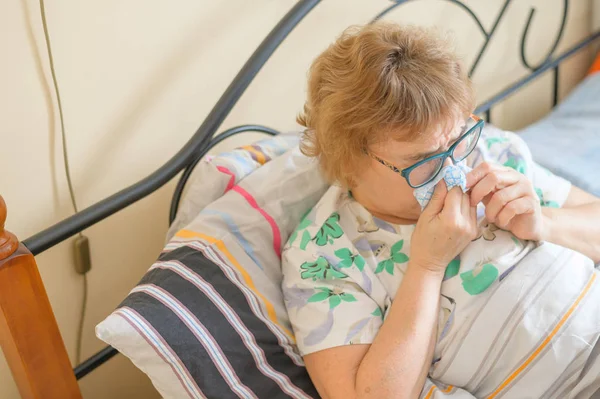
(489, 34)
(556, 40)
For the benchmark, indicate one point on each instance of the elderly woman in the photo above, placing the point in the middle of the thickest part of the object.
(382, 283)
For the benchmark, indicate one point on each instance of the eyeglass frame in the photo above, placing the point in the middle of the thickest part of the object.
(479, 123)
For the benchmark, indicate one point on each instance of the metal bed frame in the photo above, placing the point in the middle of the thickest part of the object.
(204, 139)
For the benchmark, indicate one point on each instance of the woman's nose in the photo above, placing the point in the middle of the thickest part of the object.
(448, 161)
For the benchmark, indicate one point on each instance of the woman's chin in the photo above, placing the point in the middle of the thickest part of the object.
(400, 216)
(412, 214)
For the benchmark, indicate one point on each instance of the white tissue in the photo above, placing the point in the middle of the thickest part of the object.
(453, 175)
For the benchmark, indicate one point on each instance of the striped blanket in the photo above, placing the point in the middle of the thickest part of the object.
(534, 336)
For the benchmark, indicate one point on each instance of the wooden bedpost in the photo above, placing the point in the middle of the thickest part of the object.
(29, 335)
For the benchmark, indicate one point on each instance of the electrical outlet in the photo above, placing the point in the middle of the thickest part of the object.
(83, 261)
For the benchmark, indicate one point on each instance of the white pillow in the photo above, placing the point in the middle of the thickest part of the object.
(208, 319)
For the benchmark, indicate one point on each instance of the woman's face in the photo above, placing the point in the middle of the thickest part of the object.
(386, 194)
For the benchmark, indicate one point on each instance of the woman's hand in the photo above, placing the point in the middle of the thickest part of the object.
(509, 198)
(446, 226)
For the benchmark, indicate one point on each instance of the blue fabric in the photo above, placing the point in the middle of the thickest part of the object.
(453, 175)
(567, 141)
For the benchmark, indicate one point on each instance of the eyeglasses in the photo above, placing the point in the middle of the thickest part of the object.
(427, 169)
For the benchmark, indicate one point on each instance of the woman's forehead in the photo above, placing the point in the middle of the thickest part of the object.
(438, 138)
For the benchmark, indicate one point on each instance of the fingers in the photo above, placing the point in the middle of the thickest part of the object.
(436, 204)
(514, 208)
(466, 205)
(460, 214)
(473, 216)
(486, 200)
(470, 214)
(493, 181)
(504, 196)
(453, 202)
(479, 172)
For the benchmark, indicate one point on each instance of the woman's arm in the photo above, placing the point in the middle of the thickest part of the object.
(395, 365)
(576, 225)
(512, 204)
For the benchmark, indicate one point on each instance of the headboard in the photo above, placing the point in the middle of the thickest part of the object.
(29, 334)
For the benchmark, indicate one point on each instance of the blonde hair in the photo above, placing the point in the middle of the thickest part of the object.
(377, 82)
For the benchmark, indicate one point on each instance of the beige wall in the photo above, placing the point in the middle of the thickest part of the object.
(137, 78)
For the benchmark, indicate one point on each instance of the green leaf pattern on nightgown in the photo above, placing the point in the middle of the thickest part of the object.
(543, 202)
(334, 297)
(452, 269)
(329, 231)
(377, 312)
(319, 270)
(475, 283)
(347, 259)
(495, 140)
(396, 256)
(517, 164)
